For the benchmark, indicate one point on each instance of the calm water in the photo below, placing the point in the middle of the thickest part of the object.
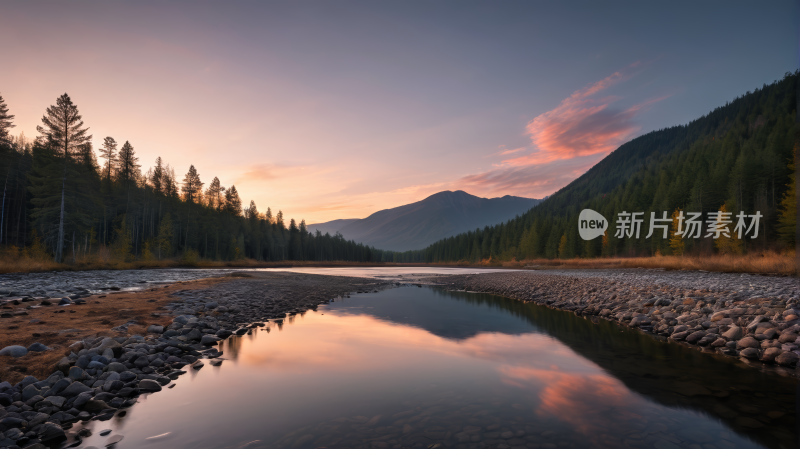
(416, 367)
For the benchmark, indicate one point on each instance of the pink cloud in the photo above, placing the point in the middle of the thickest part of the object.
(566, 141)
(581, 125)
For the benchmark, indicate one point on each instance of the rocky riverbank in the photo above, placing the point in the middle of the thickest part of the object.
(753, 317)
(99, 377)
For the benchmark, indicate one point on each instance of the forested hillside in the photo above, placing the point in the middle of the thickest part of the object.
(59, 201)
(738, 156)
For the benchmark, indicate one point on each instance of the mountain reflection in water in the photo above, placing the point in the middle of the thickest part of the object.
(413, 367)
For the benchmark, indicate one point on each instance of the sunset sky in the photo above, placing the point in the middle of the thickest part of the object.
(339, 109)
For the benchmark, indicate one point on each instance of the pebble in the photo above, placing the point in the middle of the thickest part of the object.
(38, 347)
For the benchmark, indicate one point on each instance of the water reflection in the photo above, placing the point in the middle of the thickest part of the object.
(412, 367)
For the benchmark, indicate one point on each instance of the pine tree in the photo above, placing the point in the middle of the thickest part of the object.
(127, 165)
(122, 242)
(192, 187)
(233, 204)
(214, 194)
(109, 153)
(562, 247)
(164, 239)
(5, 122)
(787, 220)
(157, 177)
(676, 242)
(64, 133)
(729, 244)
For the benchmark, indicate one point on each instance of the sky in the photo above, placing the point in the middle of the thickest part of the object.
(338, 109)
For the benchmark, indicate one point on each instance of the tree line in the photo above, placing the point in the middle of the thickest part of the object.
(739, 157)
(59, 199)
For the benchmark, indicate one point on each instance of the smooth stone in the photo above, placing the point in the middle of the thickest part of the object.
(155, 329)
(770, 354)
(748, 342)
(29, 392)
(76, 373)
(116, 367)
(96, 365)
(149, 385)
(194, 334)
(38, 347)
(787, 337)
(734, 333)
(787, 359)
(95, 405)
(50, 432)
(677, 336)
(75, 389)
(209, 340)
(82, 399)
(749, 353)
(695, 336)
(13, 351)
(57, 401)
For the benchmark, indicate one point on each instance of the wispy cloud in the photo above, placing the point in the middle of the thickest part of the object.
(565, 141)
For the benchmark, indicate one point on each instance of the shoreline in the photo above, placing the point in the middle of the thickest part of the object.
(759, 329)
(100, 375)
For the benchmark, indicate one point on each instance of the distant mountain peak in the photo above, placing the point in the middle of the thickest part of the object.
(417, 225)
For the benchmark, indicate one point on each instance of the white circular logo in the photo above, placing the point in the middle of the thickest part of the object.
(591, 224)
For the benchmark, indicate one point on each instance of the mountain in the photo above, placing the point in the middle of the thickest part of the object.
(331, 227)
(441, 215)
(738, 156)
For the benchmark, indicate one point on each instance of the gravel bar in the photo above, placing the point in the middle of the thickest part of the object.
(749, 316)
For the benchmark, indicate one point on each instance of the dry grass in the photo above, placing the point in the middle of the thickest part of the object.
(16, 262)
(95, 318)
(767, 262)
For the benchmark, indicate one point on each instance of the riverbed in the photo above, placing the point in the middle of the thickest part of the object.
(420, 367)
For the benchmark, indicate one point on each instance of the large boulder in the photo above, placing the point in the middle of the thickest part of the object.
(14, 351)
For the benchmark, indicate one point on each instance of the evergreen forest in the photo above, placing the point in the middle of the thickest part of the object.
(738, 157)
(62, 200)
